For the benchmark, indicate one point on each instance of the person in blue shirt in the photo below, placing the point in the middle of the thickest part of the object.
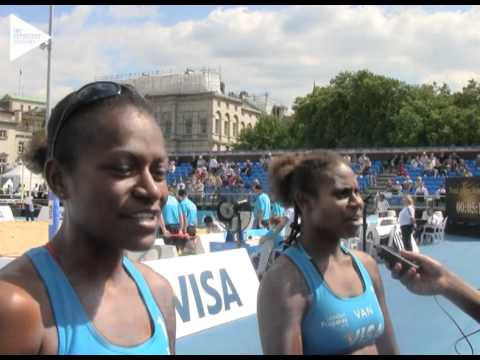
(261, 210)
(171, 220)
(189, 211)
(319, 297)
(104, 157)
(278, 220)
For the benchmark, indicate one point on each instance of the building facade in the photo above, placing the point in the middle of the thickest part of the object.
(202, 122)
(193, 110)
(19, 118)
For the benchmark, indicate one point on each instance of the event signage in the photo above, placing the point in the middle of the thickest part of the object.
(210, 289)
(463, 199)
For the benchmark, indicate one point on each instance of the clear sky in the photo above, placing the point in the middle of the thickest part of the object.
(276, 49)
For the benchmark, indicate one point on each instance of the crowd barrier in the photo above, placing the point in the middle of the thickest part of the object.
(6, 213)
(216, 302)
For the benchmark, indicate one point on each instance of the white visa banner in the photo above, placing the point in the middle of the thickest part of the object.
(210, 289)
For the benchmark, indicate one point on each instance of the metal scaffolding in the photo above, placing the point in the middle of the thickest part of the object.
(189, 82)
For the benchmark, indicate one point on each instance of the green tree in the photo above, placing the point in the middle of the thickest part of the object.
(269, 133)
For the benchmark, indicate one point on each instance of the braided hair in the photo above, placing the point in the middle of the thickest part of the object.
(293, 174)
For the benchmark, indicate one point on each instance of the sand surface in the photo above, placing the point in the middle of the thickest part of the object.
(16, 237)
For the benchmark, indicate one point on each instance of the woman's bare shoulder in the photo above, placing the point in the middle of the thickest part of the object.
(284, 277)
(157, 282)
(21, 298)
(21, 274)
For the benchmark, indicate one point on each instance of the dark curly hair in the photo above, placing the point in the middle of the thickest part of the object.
(291, 174)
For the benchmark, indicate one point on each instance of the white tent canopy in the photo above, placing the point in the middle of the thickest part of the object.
(21, 175)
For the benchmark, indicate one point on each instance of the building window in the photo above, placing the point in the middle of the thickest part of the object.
(166, 123)
(188, 121)
(3, 135)
(242, 127)
(226, 130)
(202, 119)
(236, 108)
(235, 125)
(219, 103)
(21, 147)
(29, 107)
(21, 107)
(218, 124)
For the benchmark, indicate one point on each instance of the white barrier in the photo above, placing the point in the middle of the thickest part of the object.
(43, 214)
(6, 214)
(203, 246)
(5, 260)
(211, 289)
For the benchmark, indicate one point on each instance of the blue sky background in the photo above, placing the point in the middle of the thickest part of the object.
(277, 49)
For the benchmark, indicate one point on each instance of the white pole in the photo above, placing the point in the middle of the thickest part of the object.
(53, 201)
(49, 64)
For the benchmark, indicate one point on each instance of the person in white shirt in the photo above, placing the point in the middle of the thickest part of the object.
(213, 165)
(406, 218)
(421, 190)
(29, 208)
(213, 226)
(382, 204)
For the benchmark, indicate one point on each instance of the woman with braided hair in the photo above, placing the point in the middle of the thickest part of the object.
(319, 297)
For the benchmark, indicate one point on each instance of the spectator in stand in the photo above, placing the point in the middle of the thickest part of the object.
(213, 165)
(408, 187)
(402, 171)
(201, 162)
(428, 167)
(423, 159)
(171, 167)
(418, 182)
(262, 208)
(347, 159)
(396, 188)
(268, 160)
(262, 160)
(247, 171)
(414, 163)
(198, 189)
(382, 203)
(477, 161)
(394, 163)
(181, 185)
(441, 192)
(420, 192)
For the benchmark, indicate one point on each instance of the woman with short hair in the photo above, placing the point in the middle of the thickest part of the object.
(320, 297)
(105, 158)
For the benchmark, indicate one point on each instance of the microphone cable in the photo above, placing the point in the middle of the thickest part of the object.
(464, 337)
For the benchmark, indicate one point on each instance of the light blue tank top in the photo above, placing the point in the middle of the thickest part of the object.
(335, 325)
(171, 211)
(76, 333)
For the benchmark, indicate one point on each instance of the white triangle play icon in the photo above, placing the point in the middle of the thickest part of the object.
(24, 37)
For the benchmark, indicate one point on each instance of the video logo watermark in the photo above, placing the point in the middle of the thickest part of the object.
(24, 37)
